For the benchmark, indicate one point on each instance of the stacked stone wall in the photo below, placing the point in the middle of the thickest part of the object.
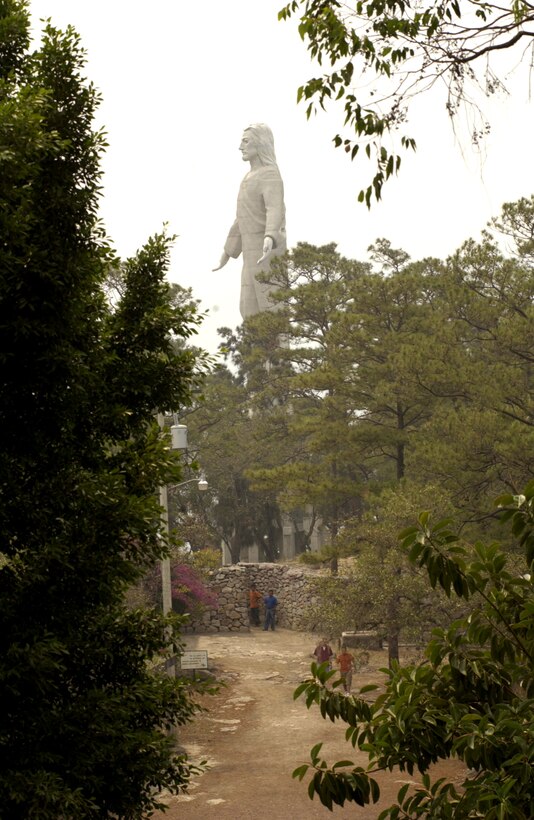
(294, 587)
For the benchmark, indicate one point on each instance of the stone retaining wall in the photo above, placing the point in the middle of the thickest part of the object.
(294, 587)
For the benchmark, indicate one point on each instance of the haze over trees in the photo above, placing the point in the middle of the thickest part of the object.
(84, 714)
(374, 384)
(391, 369)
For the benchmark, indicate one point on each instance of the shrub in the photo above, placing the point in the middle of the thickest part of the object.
(189, 593)
(472, 698)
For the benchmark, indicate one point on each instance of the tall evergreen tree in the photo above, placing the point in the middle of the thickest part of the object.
(308, 378)
(353, 395)
(419, 370)
(83, 718)
(479, 375)
(229, 439)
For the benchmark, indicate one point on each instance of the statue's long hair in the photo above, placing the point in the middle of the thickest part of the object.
(264, 142)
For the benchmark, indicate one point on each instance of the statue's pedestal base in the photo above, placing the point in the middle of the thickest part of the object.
(249, 555)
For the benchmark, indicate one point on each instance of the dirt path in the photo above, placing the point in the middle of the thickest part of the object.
(255, 734)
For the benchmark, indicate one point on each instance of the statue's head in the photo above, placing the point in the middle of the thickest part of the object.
(263, 142)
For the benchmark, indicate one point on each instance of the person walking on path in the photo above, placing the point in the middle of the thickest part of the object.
(254, 598)
(346, 664)
(271, 602)
(323, 653)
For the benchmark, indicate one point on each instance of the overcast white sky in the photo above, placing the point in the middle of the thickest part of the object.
(181, 80)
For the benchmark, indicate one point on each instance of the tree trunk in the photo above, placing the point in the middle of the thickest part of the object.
(393, 646)
(400, 445)
(334, 563)
(235, 549)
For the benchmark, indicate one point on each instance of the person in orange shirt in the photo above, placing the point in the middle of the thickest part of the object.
(346, 664)
(254, 598)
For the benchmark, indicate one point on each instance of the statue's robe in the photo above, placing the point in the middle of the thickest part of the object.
(260, 213)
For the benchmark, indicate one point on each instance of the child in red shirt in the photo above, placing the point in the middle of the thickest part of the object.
(345, 661)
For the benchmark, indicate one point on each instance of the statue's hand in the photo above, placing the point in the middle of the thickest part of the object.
(267, 249)
(222, 261)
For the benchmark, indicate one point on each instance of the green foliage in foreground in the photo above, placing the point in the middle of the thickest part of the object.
(84, 714)
(472, 698)
(376, 57)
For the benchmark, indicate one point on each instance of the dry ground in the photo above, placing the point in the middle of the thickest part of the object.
(255, 734)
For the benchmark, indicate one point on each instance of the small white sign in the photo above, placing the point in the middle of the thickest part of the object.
(194, 659)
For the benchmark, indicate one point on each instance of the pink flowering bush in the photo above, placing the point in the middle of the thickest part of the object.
(189, 593)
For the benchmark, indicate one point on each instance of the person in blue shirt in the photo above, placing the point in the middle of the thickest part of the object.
(270, 609)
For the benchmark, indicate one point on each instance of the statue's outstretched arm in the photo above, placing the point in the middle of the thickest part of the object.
(232, 246)
(222, 261)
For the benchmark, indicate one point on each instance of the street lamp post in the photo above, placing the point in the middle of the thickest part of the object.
(166, 588)
(179, 442)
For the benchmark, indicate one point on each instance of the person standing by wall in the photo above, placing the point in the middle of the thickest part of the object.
(271, 602)
(254, 598)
